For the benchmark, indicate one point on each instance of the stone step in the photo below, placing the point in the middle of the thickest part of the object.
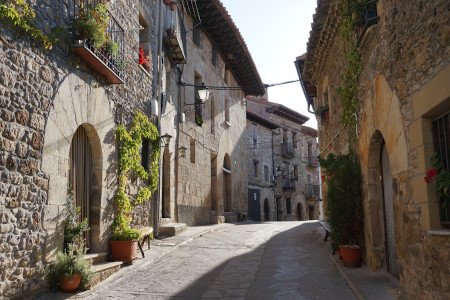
(96, 258)
(103, 271)
(230, 217)
(165, 221)
(171, 229)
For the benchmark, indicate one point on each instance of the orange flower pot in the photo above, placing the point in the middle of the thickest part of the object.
(351, 256)
(70, 284)
(123, 250)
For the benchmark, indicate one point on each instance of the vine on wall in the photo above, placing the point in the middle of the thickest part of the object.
(130, 161)
(21, 15)
(351, 11)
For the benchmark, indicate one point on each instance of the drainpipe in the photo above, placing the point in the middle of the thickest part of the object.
(160, 56)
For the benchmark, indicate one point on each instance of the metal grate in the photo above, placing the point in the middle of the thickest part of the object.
(441, 139)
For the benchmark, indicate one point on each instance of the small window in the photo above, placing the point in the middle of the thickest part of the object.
(288, 206)
(214, 56)
(145, 153)
(192, 150)
(266, 173)
(227, 109)
(296, 172)
(255, 136)
(197, 35)
(255, 168)
(294, 139)
(309, 150)
(285, 136)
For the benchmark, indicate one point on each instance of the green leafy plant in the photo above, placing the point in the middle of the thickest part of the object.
(91, 24)
(441, 177)
(344, 199)
(112, 47)
(21, 15)
(73, 227)
(68, 263)
(199, 120)
(130, 161)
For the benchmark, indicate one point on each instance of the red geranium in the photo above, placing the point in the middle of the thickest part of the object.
(431, 173)
(142, 59)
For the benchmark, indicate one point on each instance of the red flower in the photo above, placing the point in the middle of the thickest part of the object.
(142, 59)
(323, 178)
(431, 173)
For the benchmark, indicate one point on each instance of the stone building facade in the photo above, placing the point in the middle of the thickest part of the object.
(50, 101)
(403, 110)
(293, 166)
(207, 183)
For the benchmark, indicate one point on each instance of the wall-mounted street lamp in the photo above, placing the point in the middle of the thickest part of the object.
(166, 139)
(203, 93)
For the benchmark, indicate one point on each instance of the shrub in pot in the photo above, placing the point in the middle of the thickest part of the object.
(70, 270)
(344, 205)
(123, 244)
(73, 228)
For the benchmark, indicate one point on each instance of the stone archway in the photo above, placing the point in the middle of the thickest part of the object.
(76, 104)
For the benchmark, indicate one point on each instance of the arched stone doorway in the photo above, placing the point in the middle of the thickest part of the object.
(266, 210)
(227, 197)
(85, 177)
(299, 212)
(381, 205)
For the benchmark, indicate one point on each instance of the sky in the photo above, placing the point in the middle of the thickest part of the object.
(276, 32)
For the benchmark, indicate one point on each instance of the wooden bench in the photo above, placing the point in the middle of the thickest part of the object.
(327, 229)
(146, 234)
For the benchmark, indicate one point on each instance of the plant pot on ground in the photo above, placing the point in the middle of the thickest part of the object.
(344, 201)
(123, 245)
(351, 255)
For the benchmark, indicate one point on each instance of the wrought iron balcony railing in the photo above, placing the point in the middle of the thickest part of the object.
(287, 150)
(288, 184)
(106, 60)
(175, 36)
(368, 18)
(312, 191)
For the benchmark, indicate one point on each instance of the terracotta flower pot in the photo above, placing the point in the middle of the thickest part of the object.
(123, 250)
(339, 252)
(70, 284)
(166, 2)
(351, 256)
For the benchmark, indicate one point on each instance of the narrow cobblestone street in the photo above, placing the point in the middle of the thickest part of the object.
(276, 260)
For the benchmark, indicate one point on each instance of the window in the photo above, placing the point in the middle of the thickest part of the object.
(255, 168)
(441, 140)
(285, 136)
(288, 206)
(294, 139)
(255, 136)
(197, 35)
(192, 150)
(266, 173)
(227, 109)
(296, 172)
(214, 56)
(197, 101)
(145, 153)
(309, 150)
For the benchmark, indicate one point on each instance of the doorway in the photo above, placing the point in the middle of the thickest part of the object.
(213, 182)
(299, 212)
(279, 209)
(388, 207)
(254, 207)
(266, 210)
(311, 212)
(166, 185)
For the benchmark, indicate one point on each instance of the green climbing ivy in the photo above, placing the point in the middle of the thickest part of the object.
(130, 161)
(351, 11)
(21, 15)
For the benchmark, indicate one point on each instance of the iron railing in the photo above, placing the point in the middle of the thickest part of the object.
(175, 36)
(441, 138)
(369, 17)
(288, 184)
(114, 33)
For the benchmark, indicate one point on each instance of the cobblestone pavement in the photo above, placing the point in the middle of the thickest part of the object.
(273, 260)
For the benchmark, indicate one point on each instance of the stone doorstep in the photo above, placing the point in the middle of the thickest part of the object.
(165, 221)
(172, 229)
(96, 258)
(104, 270)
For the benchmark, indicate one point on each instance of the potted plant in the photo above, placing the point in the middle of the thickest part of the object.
(199, 120)
(70, 270)
(73, 228)
(344, 206)
(323, 112)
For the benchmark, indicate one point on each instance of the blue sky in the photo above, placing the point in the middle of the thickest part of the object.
(276, 32)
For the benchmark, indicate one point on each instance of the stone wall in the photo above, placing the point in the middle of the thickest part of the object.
(405, 65)
(44, 97)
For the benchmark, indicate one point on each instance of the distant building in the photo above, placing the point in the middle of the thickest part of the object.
(282, 161)
(401, 120)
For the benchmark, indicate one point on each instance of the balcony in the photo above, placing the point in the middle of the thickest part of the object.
(108, 59)
(287, 150)
(312, 191)
(368, 18)
(288, 185)
(175, 37)
(312, 162)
